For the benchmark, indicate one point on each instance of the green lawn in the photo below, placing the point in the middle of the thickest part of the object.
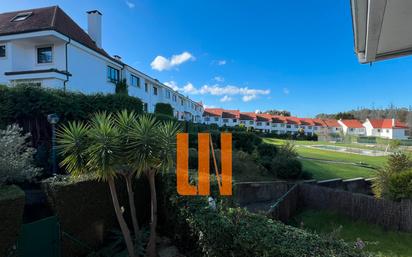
(377, 240)
(323, 170)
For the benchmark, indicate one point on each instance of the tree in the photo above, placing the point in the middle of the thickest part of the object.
(121, 87)
(164, 108)
(279, 112)
(154, 146)
(96, 148)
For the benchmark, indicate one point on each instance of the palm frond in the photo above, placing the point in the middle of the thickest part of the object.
(72, 143)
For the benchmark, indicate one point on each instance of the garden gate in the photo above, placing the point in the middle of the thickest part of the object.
(40, 238)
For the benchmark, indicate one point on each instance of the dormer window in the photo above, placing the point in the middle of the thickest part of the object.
(22, 16)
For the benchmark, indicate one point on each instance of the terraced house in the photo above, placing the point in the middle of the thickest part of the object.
(385, 128)
(45, 47)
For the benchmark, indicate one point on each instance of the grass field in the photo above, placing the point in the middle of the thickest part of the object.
(320, 162)
(377, 240)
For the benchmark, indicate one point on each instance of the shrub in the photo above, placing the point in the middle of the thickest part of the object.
(286, 165)
(11, 216)
(164, 108)
(235, 232)
(400, 185)
(245, 141)
(268, 150)
(16, 157)
(396, 164)
(121, 87)
(193, 158)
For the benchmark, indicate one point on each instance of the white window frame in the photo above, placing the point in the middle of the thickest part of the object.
(36, 49)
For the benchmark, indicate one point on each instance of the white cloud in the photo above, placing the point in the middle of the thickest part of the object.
(209, 106)
(248, 94)
(226, 99)
(286, 91)
(161, 63)
(172, 84)
(219, 79)
(247, 98)
(130, 4)
(221, 62)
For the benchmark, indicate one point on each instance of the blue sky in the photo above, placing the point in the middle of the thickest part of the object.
(247, 55)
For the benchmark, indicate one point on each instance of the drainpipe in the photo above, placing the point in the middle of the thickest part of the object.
(67, 71)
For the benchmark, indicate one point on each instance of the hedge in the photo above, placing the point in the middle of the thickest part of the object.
(235, 232)
(11, 216)
(85, 209)
(29, 106)
(164, 108)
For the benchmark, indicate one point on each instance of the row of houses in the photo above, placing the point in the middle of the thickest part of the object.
(385, 128)
(45, 47)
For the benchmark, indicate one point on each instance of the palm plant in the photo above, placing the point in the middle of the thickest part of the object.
(154, 146)
(97, 148)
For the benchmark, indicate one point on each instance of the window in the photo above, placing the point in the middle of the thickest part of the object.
(351, 129)
(2, 50)
(282, 125)
(155, 90)
(167, 94)
(379, 130)
(251, 122)
(288, 126)
(174, 98)
(387, 131)
(134, 81)
(21, 16)
(45, 54)
(274, 125)
(259, 123)
(234, 120)
(145, 107)
(146, 87)
(216, 118)
(267, 123)
(207, 119)
(181, 102)
(309, 127)
(225, 120)
(296, 126)
(112, 74)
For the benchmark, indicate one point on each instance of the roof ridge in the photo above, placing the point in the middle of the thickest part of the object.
(54, 17)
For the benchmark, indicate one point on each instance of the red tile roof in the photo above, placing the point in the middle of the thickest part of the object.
(319, 123)
(278, 119)
(293, 120)
(213, 112)
(49, 18)
(331, 123)
(387, 123)
(233, 114)
(248, 116)
(352, 123)
(264, 117)
(307, 121)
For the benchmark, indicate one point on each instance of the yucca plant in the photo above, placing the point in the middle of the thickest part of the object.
(153, 145)
(96, 148)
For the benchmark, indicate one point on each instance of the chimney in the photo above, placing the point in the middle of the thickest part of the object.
(94, 26)
(393, 123)
(117, 57)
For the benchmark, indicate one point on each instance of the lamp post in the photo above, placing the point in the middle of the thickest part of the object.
(53, 119)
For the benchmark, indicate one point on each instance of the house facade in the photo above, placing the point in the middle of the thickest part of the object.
(45, 47)
(352, 127)
(386, 128)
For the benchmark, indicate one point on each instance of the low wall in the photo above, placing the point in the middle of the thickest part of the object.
(260, 196)
(355, 185)
(386, 213)
(11, 216)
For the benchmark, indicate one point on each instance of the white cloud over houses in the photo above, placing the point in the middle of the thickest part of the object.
(219, 79)
(286, 91)
(247, 94)
(221, 62)
(226, 99)
(130, 4)
(161, 63)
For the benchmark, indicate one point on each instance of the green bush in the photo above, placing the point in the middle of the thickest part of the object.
(122, 87)
(164, 108)
(29, 106)
(16, 157)
(235, 232)
(245, 141)
(286, 165)
(400, 185)
(11, 216)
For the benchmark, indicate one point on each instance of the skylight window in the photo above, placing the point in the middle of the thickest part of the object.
(21, 16)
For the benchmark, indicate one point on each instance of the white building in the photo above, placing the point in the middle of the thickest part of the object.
(352, 127)
(45, 47)
(386, 128)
